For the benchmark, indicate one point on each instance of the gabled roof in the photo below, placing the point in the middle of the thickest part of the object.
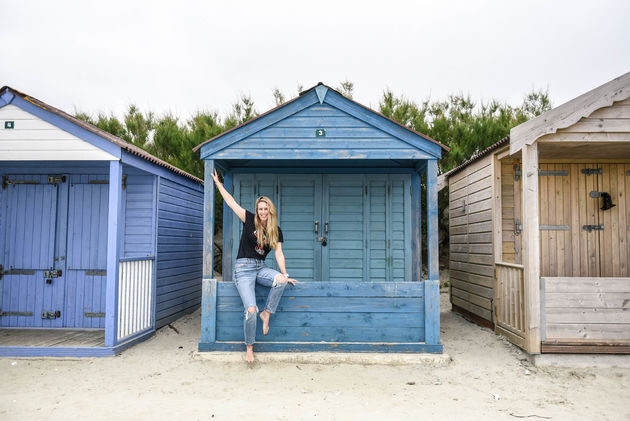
(570, 112)
(128, 147)
(320, 89)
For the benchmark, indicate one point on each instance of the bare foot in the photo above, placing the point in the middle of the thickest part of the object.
(249, 356)
(264, 316)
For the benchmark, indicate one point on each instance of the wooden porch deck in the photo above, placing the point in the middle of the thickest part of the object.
(52, 338)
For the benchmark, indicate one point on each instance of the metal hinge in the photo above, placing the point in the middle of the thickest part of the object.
(124, 182)
(96, 273)
(91, 314)
(16, 313)
(518, 227)
(6, 181)
(552, 173)
(590, 228)
(554, 228)
(589, 171)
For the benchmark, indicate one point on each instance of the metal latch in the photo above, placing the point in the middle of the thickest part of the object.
(56, 180)
(51, 314)
(590, 228)
(589, 171)
(517, 172)
(608, 204)
(52, 273)
(518, 227)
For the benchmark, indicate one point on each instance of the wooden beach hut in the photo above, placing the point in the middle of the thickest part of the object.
(540, 228)
(100, 242)
(346, 181)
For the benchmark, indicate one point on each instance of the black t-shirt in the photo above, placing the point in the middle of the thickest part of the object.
(248, 246)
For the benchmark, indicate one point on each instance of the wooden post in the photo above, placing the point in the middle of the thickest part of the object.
(209, 283)
(416, 230)
(113, 235)
(228, 215)
(531, 248)
(208, 220)
(432, 284)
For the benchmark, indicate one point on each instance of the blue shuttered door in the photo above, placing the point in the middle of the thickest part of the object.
(86, 278)
(30, 213)
(366, 220)
(299, 209)
(344, 226)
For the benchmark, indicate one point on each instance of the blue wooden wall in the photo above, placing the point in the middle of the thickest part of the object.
(179, 250)
(139, 216)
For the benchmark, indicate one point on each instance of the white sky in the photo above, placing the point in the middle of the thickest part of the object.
(181, 56)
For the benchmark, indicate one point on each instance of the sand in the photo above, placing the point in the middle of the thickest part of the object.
(165, 379)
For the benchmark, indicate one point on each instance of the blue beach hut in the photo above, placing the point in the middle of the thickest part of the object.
(347, 184)
(100, 242)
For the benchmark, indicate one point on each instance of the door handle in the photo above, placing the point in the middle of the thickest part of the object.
(316, 227)
(326, 227)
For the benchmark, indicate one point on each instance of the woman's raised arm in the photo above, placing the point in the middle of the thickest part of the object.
(227, 197)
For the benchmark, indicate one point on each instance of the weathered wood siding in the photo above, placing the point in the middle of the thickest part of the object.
(607, 124)
(35, 139)
(179, 250)
(471, 238)
(582, 310)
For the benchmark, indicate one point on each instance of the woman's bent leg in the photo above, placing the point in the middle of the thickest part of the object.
(276, 282)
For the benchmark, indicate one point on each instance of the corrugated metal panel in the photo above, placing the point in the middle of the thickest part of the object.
(179, 251)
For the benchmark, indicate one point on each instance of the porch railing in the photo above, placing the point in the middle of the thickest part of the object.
(509, 310)
(135, 296)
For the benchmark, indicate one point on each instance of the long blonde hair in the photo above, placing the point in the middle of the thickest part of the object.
(267, 235)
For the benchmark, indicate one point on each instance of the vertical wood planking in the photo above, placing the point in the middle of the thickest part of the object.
(209, 311)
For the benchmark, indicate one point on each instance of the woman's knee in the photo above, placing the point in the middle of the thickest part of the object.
(279, 280)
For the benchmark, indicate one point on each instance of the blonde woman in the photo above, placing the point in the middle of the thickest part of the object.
(261, 234)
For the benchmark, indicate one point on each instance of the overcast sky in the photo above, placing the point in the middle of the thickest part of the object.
(182, 56)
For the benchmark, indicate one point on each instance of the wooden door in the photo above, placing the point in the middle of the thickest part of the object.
(86, 261)
(29, 233)
(614, 238)
(578, 238)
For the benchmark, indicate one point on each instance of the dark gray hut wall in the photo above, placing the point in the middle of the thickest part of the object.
(179, 250)
(471, 245)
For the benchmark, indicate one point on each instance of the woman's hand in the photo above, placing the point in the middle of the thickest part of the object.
(215, 177)
(290, 280)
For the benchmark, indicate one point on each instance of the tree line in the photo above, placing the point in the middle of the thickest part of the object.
(463, 124)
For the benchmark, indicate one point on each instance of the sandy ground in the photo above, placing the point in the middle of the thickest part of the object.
(162, 379)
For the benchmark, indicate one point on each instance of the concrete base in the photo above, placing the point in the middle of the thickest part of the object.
(432, 360)
(581, 360)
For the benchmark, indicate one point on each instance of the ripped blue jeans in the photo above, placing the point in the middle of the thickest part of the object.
(248, 272)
